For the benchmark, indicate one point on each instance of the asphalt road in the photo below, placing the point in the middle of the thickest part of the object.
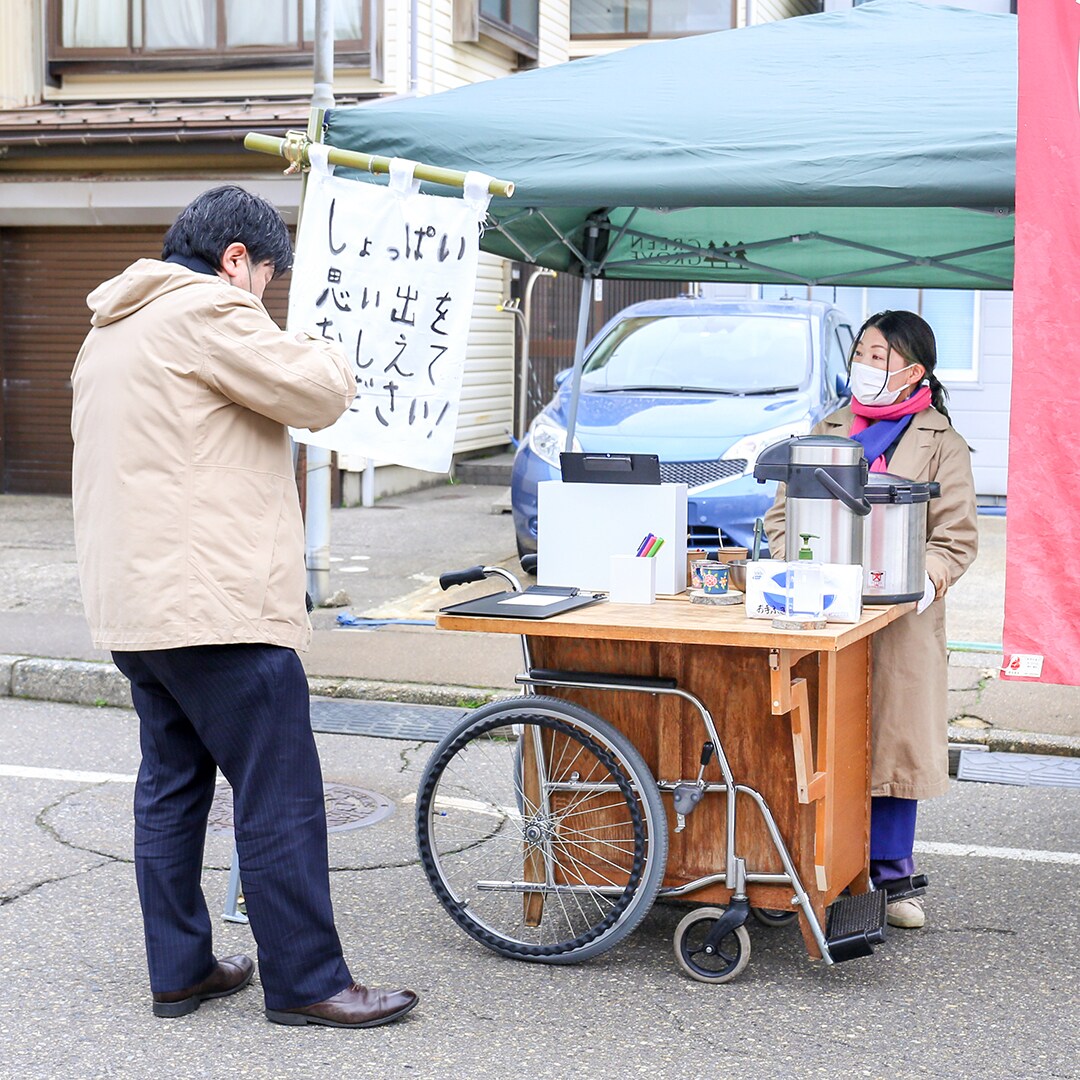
(988, 989)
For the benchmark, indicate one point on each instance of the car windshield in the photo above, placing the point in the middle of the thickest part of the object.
(734, 354)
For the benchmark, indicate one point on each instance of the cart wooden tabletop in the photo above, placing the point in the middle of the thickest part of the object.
(675, 619)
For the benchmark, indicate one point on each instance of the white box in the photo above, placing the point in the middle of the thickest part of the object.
(582, 525)
(633, 580)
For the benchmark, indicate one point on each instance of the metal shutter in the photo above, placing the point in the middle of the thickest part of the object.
(45, 276)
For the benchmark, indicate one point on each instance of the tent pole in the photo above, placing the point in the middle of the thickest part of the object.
(294, 149)
(579, 356)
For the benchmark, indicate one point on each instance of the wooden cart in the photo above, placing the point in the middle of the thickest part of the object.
(755, 739)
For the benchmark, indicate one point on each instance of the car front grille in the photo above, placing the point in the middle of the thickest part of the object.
(698, 473)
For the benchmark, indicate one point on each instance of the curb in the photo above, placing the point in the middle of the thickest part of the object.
(75, 682)
(1001, 740)
(85, 682)
(99, 683)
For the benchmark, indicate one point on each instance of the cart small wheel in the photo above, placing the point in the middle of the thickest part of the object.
(720, 966)
(773, 916)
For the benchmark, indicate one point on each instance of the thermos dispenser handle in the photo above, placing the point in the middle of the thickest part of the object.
(859, 507)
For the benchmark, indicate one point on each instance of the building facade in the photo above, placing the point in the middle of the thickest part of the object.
(114, 114)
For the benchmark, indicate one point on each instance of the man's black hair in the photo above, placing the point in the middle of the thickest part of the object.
(228, 215)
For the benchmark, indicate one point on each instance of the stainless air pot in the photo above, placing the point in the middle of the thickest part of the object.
(826, 478)
(894, 544)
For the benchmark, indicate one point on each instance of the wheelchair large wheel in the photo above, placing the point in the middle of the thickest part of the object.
(541, 830)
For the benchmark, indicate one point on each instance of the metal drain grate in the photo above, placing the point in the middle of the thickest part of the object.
(1021, 770)
(383, 719)
(347, 807)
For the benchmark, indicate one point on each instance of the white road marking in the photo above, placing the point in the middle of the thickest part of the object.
(922, 847)
(1066, 858)
(80, 776)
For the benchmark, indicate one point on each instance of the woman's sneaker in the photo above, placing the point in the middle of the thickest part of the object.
(907, 913)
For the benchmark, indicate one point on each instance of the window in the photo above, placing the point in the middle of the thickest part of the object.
(990, 7)
(735, 354)
(838, 338)
(649, 18)
(150, 30)
(955, 319)
(952, 313)
(519, 17)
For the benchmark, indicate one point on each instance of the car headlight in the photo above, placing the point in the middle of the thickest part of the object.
(752, 445)
(548, 440)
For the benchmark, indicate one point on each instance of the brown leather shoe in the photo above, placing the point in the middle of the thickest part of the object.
(231, 974)
(355, 1007)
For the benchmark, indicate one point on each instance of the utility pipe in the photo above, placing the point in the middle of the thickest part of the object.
(434, 65)
(317, 480)
(414, 46)
(526, 326)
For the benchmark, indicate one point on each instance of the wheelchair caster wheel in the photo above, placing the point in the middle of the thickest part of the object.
(718, 966)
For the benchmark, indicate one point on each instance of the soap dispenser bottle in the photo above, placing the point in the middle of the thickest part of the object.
(805, 552)
(806, 582)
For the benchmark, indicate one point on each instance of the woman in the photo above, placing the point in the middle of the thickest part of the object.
(898, 413)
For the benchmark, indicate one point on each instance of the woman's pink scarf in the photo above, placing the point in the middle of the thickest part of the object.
(866, 414)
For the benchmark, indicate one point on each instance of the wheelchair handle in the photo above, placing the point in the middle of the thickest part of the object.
(461, 577)
(477, 573)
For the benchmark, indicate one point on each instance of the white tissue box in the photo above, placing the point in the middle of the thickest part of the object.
(772, 588)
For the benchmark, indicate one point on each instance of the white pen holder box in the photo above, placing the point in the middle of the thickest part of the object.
(633, 580)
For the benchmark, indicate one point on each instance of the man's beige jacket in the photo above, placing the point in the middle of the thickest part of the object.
(187, 521)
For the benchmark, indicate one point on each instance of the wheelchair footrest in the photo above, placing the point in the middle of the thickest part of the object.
(855, 925)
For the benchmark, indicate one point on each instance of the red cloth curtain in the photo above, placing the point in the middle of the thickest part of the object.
(1042, 569)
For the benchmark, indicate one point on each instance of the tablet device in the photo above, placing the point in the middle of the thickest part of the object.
(610, 468)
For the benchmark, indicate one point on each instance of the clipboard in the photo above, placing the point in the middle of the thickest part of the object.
(535, 602)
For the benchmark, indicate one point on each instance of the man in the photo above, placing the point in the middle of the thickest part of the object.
(191, 559)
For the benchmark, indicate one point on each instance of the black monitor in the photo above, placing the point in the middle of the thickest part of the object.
(610, 468)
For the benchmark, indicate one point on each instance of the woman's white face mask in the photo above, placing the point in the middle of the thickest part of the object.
(869, 385)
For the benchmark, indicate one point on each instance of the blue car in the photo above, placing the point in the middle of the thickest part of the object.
(703, 384)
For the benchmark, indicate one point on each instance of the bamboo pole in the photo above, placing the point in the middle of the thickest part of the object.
(294, 149)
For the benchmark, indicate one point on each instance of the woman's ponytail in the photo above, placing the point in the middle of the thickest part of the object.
(938, 394)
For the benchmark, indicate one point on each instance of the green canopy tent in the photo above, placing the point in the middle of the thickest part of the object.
(869, 147)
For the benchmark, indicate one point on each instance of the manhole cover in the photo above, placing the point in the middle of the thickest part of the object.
(347, 807)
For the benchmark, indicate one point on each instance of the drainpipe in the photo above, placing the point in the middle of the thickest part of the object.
(317, 486)
(523, 399)
(434, 66)
(414, 46)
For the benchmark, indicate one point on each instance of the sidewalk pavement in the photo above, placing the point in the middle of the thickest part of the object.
(385, 562)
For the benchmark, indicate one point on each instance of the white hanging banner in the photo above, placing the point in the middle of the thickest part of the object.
(390, 274)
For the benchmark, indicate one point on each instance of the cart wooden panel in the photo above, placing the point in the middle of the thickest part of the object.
(791, 708)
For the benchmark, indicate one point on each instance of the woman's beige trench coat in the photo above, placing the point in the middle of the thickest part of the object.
(910, 679)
